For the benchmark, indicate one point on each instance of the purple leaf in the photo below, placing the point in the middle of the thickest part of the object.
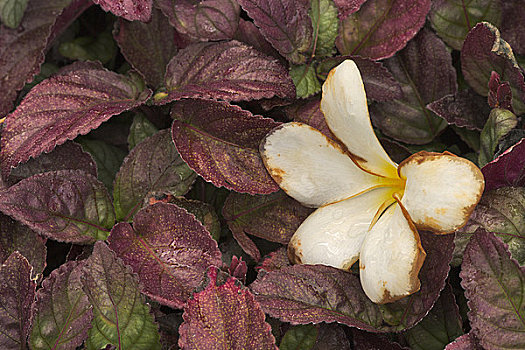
(68, 156)
(502, 212)
(169, 250)
(145, 48)
(275, 217)
(152, 165)
(73, 102)
(220, 142)
(303, 294)
(464, 109)
(442, 325)
(275, 261)
(424, 70)
(381, 28)
(485, 51)
(493, 284)
(249, 34)
(17, 237)
(500, 94)
(452, 19)
(310, 113)
(131, 10)
(465, 342)
(285, 24)
(331, 336)
(506, 170)
(370, 341)
(511, 28)
(238, 269)
(66, 205)
(231, 71)
(62, 313)
(120, 315)
(202, 20)
(224, 315)
(17, 292)
(22, 49)
(347, 7)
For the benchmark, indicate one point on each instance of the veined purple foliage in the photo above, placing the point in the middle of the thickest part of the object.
(132, 10)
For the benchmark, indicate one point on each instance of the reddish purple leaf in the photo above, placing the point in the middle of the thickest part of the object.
(424, 70)
(224, 315)
(169, 249)
(275, 260)
(17, 292)
(22, 49)
(309, 113)
(275, 218)
(202, 20)
(464, 109)
(61, 313)
(120, 316)
(238, 269)
(148, 47)
(73, 102)
(66, 205)
(494, 285)
(381, 28)
(68, 156)
(249, 34)
(500, 94)
(511, 26)
(506, 170)
(303, 294)
(452, 19)
(220, 142)
(131, 10)
(485, 51)
(347, 7)
(230, 71)
(285, 24)
(371, 341)
(17, 237)
(465, 342)
(154, 165)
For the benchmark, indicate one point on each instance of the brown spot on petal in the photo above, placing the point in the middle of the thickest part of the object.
(294, 255)
(277, 174)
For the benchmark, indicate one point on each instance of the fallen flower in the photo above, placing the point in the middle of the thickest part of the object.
(369, 208)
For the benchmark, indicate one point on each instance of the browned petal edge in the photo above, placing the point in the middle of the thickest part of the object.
(421, 157)
(294, 252)
(416, 264)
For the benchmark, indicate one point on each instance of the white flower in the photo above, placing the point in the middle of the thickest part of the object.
(369, 208)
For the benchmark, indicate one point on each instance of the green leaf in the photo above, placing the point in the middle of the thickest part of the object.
(305, 80)
(140, 129)
(108, 159)
(100, 48)
(440, 327)
(325, 25)
(500, 122)
(452, 19)
(120, 315)
(12, 11)
(300, 337)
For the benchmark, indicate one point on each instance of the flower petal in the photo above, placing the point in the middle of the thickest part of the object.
(391, 257)
(441, 190)
(333, 234)
(312, 168)
(346, 113)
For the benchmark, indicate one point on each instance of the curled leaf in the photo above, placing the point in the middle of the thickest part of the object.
(506, 170)
(500, 123)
